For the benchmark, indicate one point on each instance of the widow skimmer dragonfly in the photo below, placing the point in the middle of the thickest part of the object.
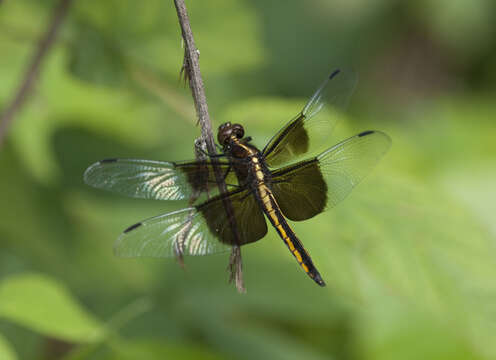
(277, 182)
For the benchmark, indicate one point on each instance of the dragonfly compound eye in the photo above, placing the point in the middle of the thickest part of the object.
(225, 131)
(238, 130)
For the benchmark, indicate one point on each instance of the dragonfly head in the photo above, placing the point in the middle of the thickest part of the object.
(227, 131)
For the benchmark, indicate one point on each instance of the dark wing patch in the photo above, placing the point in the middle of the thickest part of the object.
(243, 209)
(307, 188)
(291, 141)
(200, 230)
(300, 190)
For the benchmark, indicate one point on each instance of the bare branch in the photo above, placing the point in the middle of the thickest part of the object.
(192, 67)
(33, 70)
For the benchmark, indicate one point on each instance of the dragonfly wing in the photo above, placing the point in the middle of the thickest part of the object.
(322, 182)
(201, 230)
(306, 133)
(158, 180)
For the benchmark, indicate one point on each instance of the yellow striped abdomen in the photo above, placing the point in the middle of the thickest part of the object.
(272, 211)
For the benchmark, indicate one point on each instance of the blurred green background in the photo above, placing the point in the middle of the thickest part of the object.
(409, 258)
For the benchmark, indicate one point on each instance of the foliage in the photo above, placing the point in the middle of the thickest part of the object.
(408, 257)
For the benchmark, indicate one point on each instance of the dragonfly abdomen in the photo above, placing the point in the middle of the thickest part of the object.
(273, 212)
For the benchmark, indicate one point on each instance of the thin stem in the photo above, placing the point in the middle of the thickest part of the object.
(33, 70)
(192, 68)
(195, 79)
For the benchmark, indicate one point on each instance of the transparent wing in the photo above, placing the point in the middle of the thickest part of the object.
(200, 230)
(309, 131)
(177, 233)
(308, 188)
(155, 179)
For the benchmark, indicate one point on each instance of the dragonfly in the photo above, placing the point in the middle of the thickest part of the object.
(295, 177)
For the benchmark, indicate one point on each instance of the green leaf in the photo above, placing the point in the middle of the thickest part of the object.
(6, 351)
(45, 306)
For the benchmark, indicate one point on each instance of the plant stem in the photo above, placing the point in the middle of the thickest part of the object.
(192, 68)
(33, 70)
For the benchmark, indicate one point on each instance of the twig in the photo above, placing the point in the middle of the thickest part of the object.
(192, 67)
(32, 72)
